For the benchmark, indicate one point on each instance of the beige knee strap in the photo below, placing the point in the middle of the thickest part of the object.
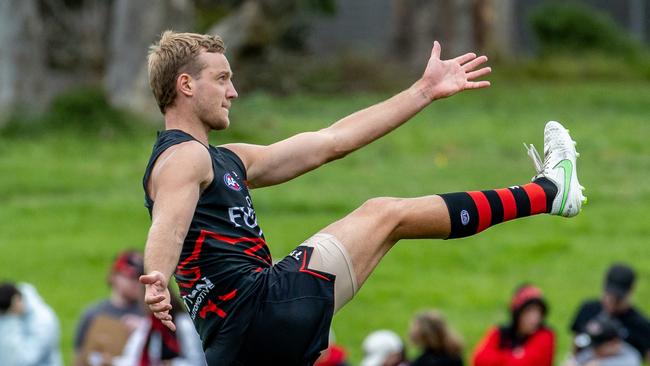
(330, 256)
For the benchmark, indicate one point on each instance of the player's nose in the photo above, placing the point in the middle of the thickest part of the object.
(231, 93)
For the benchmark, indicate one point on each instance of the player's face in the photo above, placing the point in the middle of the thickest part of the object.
(214, 91)
(530, 319)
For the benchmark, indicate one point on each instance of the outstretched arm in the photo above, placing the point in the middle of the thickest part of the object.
(175, 186)
(287, 159)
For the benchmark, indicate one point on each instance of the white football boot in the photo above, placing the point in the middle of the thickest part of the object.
(559, 167)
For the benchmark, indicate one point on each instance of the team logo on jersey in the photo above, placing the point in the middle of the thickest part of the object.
(231, 182)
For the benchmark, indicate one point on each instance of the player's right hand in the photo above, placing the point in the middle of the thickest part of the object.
(157, 297)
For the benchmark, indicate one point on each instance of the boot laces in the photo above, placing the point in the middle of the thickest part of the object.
(534, 155)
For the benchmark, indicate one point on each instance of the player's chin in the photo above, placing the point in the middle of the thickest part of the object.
(221, 123)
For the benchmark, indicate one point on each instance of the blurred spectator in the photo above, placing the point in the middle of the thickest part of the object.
(440, 346)
(153, 344)
(118, 315)
(602, 345)
(615, 302)
(29, 329)
(383, 348)
(334, 355)
(525, 341)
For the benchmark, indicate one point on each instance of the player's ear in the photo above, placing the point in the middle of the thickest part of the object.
(185, 84)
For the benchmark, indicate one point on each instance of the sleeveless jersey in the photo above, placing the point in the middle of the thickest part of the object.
(224, 252)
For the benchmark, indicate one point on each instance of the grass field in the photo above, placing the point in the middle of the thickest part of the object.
(69, 202)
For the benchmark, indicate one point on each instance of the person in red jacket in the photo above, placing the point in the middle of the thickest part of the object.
(525, 341)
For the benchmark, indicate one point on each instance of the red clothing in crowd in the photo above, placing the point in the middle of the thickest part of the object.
(538, 350)
(333, 356)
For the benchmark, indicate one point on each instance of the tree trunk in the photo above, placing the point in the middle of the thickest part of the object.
(22, 67)
(637, 11)
(417, 23)
(403, 16)
(255, 26)
(49, 46)
(481, 15)
(136, 25)
(502, 28)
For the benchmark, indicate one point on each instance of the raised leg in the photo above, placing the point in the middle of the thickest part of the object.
(370, 231)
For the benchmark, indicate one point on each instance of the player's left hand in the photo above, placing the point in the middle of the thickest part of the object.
(444, 78)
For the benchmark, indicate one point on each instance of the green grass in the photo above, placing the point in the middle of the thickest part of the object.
(69, 201)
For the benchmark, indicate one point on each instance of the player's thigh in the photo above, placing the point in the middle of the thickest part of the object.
(367, 233)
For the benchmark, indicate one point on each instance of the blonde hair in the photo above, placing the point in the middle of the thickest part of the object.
(174, 54)
(433, 333)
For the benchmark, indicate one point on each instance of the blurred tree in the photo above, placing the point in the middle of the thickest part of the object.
(75, 34)
(637, 12)
(135, 25)
(49, 46)
(417, 23)
(249, 27)
(22, 67)
(263, 33)
(482, 17)
(576, 28)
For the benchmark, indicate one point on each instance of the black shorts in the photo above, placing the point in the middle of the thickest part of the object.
(291, 324)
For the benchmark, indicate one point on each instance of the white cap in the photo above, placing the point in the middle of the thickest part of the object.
(379, 345)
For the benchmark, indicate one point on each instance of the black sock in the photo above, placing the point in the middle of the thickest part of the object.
(475, 211)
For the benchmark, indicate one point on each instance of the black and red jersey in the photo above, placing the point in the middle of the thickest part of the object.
(224, 251)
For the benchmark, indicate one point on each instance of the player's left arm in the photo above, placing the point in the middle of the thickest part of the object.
(287, 159)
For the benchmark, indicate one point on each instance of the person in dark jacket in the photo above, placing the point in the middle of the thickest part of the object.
(526, 341)
(616, 303)
(440, 345)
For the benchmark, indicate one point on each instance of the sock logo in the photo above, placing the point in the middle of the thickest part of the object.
(464, 217)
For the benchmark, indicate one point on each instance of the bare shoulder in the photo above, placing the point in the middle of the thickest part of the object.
(185, 162)
(246, 152)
